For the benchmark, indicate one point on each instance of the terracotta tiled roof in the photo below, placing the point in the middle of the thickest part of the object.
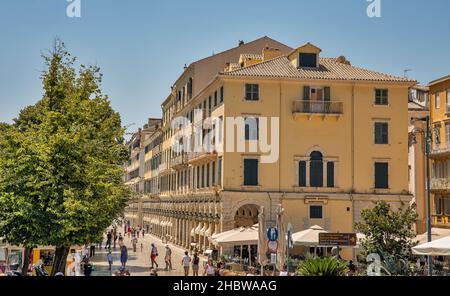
(252, 56)
(329, 69)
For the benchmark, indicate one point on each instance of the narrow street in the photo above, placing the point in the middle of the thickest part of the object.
(139, 263)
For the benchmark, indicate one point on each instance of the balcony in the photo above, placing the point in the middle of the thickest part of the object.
(195, 157)
(314, 108)
(440, 184)
(180, 161)
(164, 169)
(440, 220)
(441, 150)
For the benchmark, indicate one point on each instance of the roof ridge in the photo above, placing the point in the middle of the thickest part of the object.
(254, 65)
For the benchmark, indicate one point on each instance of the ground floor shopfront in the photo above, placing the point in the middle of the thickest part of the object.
(190, 221)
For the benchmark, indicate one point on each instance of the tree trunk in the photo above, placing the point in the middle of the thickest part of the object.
(59, 264)
(26, 260)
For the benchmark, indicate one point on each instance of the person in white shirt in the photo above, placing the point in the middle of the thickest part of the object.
(185, 262)
(209, 268)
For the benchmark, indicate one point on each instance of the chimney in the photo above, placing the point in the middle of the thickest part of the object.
(241, 42)
(269, 53)
(343, 60)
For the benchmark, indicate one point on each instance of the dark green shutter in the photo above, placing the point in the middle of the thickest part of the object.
(381, 175)
(330, 174)
(306, 93)
(327, 94)
(302, 174)
(250, 172)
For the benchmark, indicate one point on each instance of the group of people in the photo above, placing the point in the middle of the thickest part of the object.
(209, 269)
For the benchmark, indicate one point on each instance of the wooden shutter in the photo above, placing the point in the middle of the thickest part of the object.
(316, 173)
(306, 93)
(327, 94)
(330, 174)
(381, 175)
(302, 174)
(251, 172)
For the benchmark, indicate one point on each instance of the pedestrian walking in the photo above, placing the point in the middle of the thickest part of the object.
(134, 241)
(195, 264)
(154, 255)
(115, 238)
(142, 247)
(138, 231)
(108, 240)
(209, 268)
(110, 259)
(143, 232)
(185, 262)
(92, 250)
(168, 258)
(123, 255)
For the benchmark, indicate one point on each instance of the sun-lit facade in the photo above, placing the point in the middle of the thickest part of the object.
(337, 140)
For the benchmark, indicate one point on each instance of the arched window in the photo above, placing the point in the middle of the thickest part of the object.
(316, 169)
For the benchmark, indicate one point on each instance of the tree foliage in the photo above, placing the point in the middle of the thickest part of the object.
(60, 166)
(389, 233)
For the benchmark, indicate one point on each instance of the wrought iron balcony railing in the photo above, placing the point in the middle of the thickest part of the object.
(318, 107)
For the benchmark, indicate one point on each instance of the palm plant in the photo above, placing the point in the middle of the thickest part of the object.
(327, 266)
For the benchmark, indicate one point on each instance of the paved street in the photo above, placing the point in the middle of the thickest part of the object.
(139, 263)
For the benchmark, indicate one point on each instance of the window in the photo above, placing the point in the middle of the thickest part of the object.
(438, 205)
(302, 174)
(381, 175)
(316, 169)
(219, 171)
(315, 212)
(381, 133)
(198, 177)
(221, 94)
(448, 99)
(210, 103)
(308, 60)
(437, 101)
(447, 206)
(213, 173)
(250, 172)
(252, 92)
(381, 97)
(251, 128)
(203, 176)
(447, 133)
(215, 99)
(330, 174)
(437, 134)
(207, 175)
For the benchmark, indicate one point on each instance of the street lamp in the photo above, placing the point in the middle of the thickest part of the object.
(428, 138)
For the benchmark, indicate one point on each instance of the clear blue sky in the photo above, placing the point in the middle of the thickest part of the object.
(142, 45)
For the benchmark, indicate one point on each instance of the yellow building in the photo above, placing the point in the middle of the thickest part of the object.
(440, 120)
(321, 137)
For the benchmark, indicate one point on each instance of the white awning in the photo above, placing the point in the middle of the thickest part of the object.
(199, 227)
(308, 237)
(440, 247)
(209, 230)
(203, 230)
(239, 236)
(193, 232)
(436, 233)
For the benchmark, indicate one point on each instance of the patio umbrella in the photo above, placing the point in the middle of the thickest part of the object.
(436, 233)
(308, 237)
(262, 239)
(440, 247)
(240, 236)
(281, 258)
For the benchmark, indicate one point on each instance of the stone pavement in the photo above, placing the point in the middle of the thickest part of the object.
(139, 263)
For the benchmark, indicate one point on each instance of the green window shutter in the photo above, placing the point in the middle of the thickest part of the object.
(327, 94)
(306, 93)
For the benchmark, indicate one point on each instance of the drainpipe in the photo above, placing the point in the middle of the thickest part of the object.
(352, 122)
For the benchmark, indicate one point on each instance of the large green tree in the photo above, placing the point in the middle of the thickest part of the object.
(79, 142)
(389, 233)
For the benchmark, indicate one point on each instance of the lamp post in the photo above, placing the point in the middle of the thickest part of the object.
(428, 138)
